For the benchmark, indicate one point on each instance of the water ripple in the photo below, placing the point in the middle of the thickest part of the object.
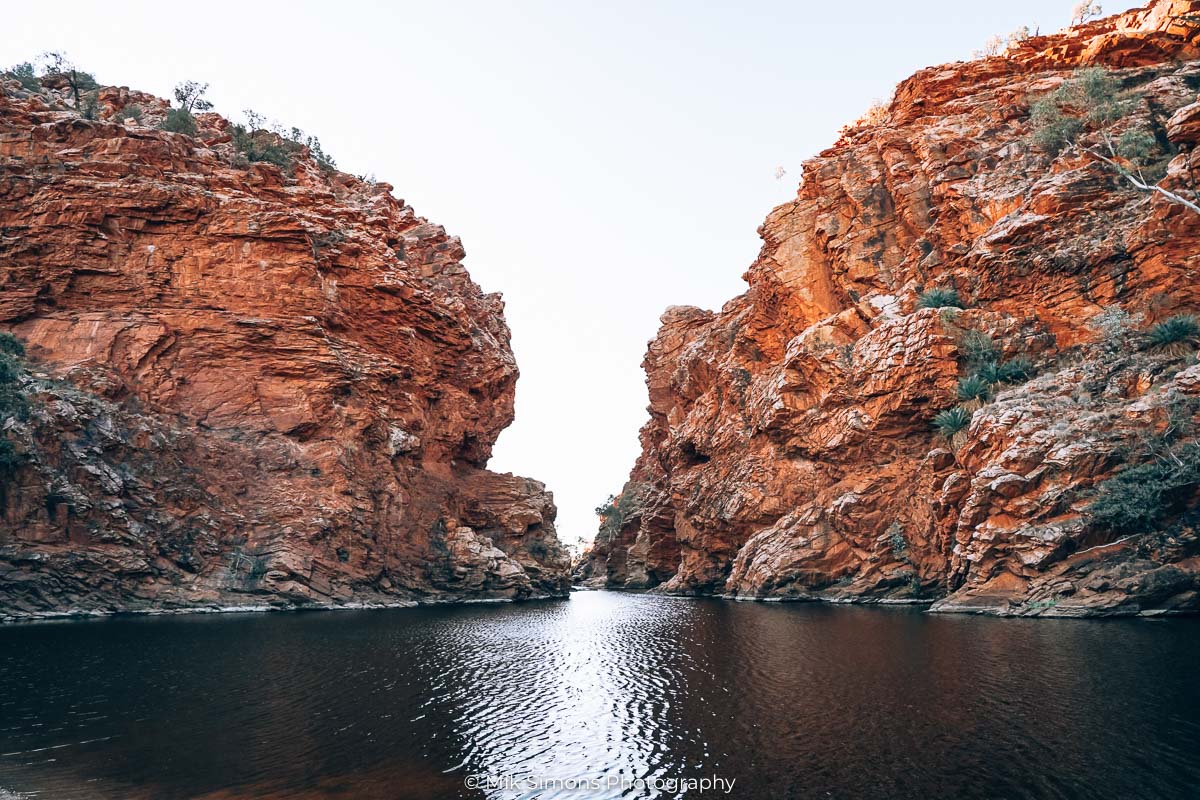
(791, 701)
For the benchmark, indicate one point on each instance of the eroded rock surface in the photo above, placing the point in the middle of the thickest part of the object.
(789, 451)
(247, 387)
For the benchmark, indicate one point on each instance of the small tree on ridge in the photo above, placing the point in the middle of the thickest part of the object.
(1081, 116)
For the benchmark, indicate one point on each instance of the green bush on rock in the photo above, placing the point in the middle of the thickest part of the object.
(1016, 370)
(11, 345)
(12, 400)
(190, 98)
(952, 421)
(26, 74)
(973, 389)
(978, 348)
(1177, 335)
(1012, 371)
(942, 297)
(179, 121)
(617, 509)
(1137, 498)
(1091, 114)
(255, 142)
(132, 111)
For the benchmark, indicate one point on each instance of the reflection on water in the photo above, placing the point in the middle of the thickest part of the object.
(789, 701)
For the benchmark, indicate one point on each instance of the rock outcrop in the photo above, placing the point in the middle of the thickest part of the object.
(248, 384)
(790, 452)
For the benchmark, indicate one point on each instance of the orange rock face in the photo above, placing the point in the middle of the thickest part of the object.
(790, 452)
(247, 387)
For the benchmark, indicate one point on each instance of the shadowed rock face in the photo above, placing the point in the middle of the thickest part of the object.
(247, 387)
(789, 451)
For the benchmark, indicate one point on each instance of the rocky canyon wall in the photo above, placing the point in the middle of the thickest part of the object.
(790, 451)
(247, 384)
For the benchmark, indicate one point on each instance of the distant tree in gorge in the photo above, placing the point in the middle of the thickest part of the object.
(190, 96)
(57, 65)
(1017, 36)
(999, 44)
(1083, 115)
(1085, 11)
(992, 47)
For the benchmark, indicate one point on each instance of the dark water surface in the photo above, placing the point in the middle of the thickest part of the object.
(788, 700)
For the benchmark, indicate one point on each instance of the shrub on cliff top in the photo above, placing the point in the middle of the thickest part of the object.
(255, 142)
(132, 111)
(1085, 11)
(939, 298)
(262, 146)
(60, 68)
(998, 44)
(318, 154)
(56, 71)
(26, 74)
(179, 121)
(190, 97)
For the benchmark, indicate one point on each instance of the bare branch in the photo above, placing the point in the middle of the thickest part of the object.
(1137, 183)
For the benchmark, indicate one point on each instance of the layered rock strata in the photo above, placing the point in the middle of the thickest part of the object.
(247, 384)
(790, 452)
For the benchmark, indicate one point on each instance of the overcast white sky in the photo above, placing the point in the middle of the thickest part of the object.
(600, 161)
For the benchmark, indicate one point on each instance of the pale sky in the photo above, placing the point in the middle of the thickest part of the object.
(601, 161)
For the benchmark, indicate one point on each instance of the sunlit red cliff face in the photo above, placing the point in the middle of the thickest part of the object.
(789, 451)
(247, 387)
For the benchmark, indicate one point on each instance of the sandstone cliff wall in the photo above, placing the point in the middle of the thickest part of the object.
(789, 451)
(247, 386)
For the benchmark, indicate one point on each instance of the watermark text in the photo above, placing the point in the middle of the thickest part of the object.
(713, 784)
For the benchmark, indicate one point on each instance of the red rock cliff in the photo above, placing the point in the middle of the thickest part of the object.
(246, 386)
(789, 451)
